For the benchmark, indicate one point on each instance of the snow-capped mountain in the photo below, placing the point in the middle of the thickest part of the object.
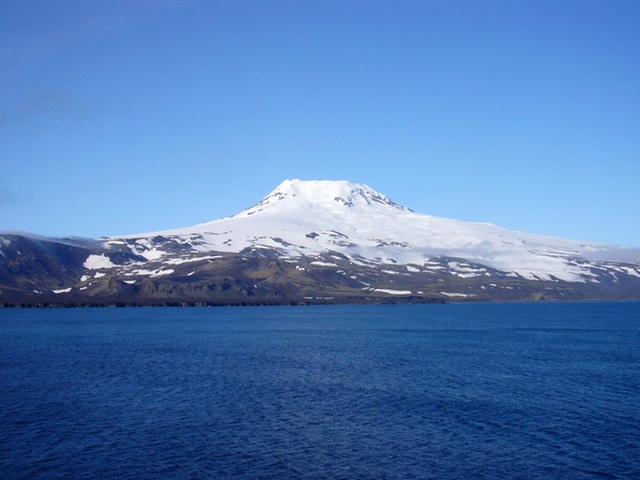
(303, 218)
(326, 240)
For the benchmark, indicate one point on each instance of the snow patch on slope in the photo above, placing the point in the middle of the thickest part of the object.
(95, 262)
(392, 292)
(309, 218)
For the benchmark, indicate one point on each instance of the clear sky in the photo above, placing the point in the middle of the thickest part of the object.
(127, 116)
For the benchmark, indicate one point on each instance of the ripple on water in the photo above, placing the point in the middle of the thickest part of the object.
(501, 391)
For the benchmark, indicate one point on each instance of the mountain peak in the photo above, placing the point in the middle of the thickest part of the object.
(331, 194)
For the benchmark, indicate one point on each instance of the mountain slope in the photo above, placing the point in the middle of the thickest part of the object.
(340, 241)
(312, 217)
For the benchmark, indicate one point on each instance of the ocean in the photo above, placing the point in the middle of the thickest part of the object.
(468, 391)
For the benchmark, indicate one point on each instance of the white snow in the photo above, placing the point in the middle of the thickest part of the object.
(392, 292)
(152, 254)
(145, 248)
(180, 261)
(95, 262)
(360, 263)
(151, 273)
(323, 264)
(130, 282)
(62, 290)
(631, 271)
(116, 242)
(314, 217)
(456, 295)
(465, 275)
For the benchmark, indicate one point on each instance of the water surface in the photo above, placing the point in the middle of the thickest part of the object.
(416, 391)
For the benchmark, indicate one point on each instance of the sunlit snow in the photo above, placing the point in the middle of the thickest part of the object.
(310, 218)
(95, 262)
(392, 292)
(323, 264)
(456, 295)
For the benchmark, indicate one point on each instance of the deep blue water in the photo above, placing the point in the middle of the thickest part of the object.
(531, 391)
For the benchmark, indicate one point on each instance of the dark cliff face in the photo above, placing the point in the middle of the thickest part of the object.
(30, 263)
(36, 271)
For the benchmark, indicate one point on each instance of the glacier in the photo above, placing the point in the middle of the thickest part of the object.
(303, 218)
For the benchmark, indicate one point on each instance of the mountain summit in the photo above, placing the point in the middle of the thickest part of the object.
(300, 218)
(329, 195)
(311, 241)
(293, 201)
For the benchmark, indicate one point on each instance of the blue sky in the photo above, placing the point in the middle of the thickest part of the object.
(128, 116)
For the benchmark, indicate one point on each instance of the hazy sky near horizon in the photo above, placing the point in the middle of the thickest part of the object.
(128, 116)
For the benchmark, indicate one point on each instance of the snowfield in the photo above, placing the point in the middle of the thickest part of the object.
(95, 262)
(309, 218)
